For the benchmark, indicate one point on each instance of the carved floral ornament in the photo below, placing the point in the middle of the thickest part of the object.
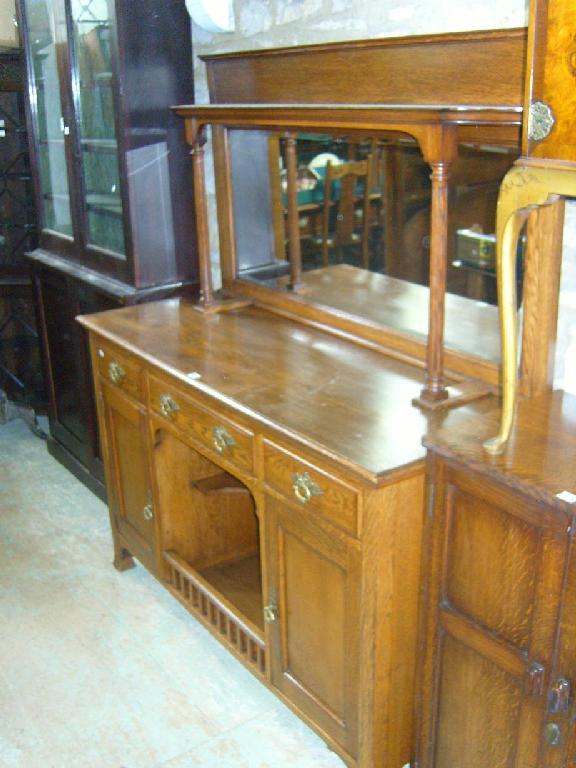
(212, 15)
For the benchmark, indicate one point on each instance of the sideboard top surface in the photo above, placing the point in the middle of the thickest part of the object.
(540, 456)
(348, 402)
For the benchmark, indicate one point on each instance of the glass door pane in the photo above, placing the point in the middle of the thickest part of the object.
(92, 30)
(50, 123)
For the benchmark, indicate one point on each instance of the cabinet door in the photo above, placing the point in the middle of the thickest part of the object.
(495, 580)
(313, 609)
(127, 474)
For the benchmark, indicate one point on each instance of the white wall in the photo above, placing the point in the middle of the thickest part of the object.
(8, 35)
(266, 23)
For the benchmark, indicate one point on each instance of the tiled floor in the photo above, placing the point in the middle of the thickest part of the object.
(106, 670)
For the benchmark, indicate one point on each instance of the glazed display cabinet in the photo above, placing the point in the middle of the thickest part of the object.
(112, 183)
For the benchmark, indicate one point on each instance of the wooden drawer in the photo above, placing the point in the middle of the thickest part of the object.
(119, 369)
(311, 487)
(219, 435)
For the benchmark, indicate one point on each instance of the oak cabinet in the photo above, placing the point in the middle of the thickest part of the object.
(300, 552)
(497, 679)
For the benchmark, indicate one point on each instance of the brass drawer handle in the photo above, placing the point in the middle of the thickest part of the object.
(148, 512)
(304, 487)
(221, 440)
(115, 372)
(270, 613)
(168, 406)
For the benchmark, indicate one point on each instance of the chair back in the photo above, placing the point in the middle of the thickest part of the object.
(351, 223)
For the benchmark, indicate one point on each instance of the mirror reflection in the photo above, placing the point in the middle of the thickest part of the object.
(364, 221)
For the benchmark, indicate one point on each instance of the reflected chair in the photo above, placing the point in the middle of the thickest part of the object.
(345, 223)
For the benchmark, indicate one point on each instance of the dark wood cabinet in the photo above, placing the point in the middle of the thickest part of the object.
(112, 182)
(497, 683)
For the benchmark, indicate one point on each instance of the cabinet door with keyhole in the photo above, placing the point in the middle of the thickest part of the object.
(313, 617)
(495, 576)
(127, 476)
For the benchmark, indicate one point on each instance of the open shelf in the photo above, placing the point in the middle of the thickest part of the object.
(223, 482)
(240, 583)
(241, 636)
(211, 546)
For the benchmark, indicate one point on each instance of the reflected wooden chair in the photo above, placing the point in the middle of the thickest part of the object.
(344, 223)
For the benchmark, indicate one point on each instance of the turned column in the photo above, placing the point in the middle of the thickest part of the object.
(294, 251)
(435, 388)
(198, 140)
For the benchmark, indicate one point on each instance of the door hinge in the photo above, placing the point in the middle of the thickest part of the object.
(431, 499)
(534, 683)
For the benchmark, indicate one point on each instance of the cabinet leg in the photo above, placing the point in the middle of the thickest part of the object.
(123, 560)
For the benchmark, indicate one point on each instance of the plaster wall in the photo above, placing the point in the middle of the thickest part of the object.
(273, 23)
(8, 32)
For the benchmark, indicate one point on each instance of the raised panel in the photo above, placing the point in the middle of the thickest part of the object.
(492, 566)
(480, 706)
(315, 580)
(131, 492)
(313, 604)
(61, 335)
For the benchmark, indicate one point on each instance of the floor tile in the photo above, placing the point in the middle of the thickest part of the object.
(277, 739)
(101, 669)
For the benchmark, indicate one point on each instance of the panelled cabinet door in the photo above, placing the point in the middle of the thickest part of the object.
(313, 615)
(128, 478)
(495, 580)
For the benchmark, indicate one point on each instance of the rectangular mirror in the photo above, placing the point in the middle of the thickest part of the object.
(363, 207)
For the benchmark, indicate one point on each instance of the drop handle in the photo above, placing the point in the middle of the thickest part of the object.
(221, 440)
(168, 406)
(303, 487)
(559, 696)
(115, 372)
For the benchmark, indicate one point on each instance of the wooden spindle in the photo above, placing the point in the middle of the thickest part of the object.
(201, 205)
(294, 251)
(435, 388)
